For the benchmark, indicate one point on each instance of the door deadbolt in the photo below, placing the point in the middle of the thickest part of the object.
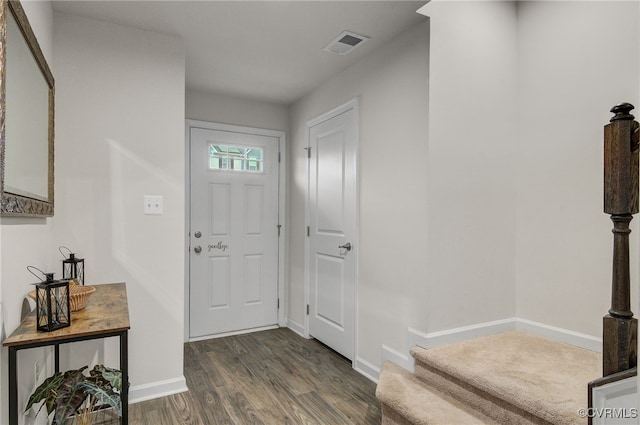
(197, 249)
(197, 234)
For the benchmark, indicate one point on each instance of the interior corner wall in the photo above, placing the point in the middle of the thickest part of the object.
(577, 60)
(120, 99)
(472, 160)
(23, 242)
(392, 85)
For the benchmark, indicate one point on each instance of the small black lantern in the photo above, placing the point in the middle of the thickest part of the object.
(53, 310)
(72, 267)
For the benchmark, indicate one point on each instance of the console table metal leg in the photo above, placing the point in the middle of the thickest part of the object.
(124, 368)
(13, 386)
(56, 357)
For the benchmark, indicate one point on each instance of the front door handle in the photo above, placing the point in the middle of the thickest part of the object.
(346, 246)
(197, 249)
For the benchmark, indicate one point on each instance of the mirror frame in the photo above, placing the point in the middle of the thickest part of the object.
(12, 204)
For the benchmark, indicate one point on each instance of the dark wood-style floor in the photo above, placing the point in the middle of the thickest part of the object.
(270, 377)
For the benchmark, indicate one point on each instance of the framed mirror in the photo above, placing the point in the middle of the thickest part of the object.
(26, 118)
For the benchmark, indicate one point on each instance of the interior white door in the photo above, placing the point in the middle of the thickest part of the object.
(332, 231)
(234, 231)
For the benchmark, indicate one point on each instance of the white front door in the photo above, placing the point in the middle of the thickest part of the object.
(234, 231)
(332, 238)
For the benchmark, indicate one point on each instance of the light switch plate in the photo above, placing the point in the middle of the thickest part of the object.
(153, 204)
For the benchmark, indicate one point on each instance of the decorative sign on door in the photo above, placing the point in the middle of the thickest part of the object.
(219, 245)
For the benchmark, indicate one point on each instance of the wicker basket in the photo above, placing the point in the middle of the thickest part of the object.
(78, 296)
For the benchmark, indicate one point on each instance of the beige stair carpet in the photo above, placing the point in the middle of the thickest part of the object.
(541, 380)
(408, 401)
(497, 409)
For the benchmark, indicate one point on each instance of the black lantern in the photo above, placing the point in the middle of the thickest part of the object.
(72, 267)
(53, 310)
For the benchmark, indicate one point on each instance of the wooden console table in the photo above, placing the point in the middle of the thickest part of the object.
(106, 315)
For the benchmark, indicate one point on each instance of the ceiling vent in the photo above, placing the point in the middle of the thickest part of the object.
(345, 43)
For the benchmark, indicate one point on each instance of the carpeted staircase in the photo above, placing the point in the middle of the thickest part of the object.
(509, 378)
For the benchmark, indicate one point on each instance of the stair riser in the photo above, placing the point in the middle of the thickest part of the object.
(489, 405)
(406, 400)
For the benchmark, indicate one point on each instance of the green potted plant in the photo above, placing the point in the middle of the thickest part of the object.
(73, 394)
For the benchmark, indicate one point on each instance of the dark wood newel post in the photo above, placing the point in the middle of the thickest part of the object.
(621, 282)
(620, 328)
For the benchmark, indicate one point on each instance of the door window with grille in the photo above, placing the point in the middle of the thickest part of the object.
(235, 158)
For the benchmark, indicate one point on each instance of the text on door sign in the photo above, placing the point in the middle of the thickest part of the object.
(219, 245)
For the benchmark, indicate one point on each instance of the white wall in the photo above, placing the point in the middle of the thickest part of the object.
(577, 60)
(225, 109)
(23, 242)
(529, 197)
(28, 240)
(119, 136)
(393, 90)
(472, 162)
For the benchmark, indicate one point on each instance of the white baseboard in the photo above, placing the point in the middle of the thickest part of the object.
(157, 389)
(395, 356)
(554, 333)
(367, 369)
(450, 336)
(296, 327)
(441, 338)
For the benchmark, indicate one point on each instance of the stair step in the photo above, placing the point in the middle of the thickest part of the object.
(513, 377)
(408, 401)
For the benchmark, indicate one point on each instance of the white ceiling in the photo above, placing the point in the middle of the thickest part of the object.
(267, 50)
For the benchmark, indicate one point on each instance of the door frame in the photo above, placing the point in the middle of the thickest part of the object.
(282, 210)
(355, 105)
